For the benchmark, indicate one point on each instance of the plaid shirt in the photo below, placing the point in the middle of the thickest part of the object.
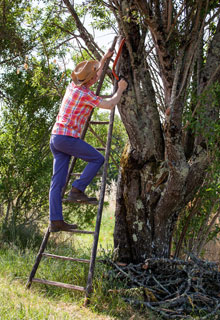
(75, 109)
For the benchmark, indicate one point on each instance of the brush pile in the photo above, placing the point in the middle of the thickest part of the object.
(173, 288)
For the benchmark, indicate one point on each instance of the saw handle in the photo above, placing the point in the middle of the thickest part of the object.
(116, 59)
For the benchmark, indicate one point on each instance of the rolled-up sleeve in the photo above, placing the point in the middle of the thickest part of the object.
(92, 100)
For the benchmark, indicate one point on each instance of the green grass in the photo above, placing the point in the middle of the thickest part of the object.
(48, 302)
(18, 303)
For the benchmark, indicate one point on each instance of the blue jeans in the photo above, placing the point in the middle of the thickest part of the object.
(63, 147)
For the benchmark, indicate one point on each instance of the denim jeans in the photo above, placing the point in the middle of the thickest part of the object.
(63, 147)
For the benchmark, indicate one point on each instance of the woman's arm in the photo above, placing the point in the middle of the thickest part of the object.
(111, 102)
(108, 54)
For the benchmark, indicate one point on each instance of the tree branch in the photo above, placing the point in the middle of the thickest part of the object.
(85, 35)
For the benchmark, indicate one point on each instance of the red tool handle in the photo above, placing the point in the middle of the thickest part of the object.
(116, 59)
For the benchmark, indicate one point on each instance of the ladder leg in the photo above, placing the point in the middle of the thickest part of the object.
(91, 267)
(38, 258)
(100, 209)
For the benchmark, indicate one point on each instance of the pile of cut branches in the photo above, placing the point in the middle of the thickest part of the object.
(175, 289)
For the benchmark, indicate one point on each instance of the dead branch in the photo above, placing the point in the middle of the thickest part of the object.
(173, 288)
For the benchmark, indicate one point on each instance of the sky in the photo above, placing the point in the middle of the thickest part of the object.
(103, 38)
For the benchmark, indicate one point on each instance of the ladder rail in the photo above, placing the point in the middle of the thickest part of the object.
(101, 201)
(100, 209)
(38, 258)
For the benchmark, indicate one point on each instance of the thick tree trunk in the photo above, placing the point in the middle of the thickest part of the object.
(149, 200)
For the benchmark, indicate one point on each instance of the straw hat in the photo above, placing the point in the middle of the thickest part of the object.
(85, 71)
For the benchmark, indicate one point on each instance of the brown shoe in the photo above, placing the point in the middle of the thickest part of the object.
(79, 197)
(60, 225)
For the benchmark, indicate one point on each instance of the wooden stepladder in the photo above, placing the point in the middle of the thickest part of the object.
(41, 253)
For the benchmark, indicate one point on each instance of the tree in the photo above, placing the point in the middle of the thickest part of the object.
(31, 86)
(171, 61)
(25, 161)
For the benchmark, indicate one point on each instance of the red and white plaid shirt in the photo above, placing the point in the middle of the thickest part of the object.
(75, 109)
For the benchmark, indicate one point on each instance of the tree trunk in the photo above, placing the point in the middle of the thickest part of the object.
(148, 202)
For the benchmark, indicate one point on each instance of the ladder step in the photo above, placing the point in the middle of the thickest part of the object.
(76, 174)
(54, 256)
(78, 231)
(79, 174)
(100, 149)
(99, 122)
(80, 202)
(58, 284)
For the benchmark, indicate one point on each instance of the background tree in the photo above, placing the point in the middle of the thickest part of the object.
(171, 60)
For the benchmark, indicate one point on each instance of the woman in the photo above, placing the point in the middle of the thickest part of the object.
(65, 142)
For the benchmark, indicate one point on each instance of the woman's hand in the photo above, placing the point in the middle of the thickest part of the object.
(108, 54)
(122, 85)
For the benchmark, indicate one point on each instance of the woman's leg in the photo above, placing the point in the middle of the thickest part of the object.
(95, 160)
(80, 149)
(60, 170)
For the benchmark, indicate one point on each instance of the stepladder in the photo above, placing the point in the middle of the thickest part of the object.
(88, 288)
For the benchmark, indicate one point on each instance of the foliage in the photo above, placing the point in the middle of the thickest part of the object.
(15, 37)
(25, 161)
(102, 17)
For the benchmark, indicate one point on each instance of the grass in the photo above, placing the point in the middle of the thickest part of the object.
(48, 302)
(18, 303)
